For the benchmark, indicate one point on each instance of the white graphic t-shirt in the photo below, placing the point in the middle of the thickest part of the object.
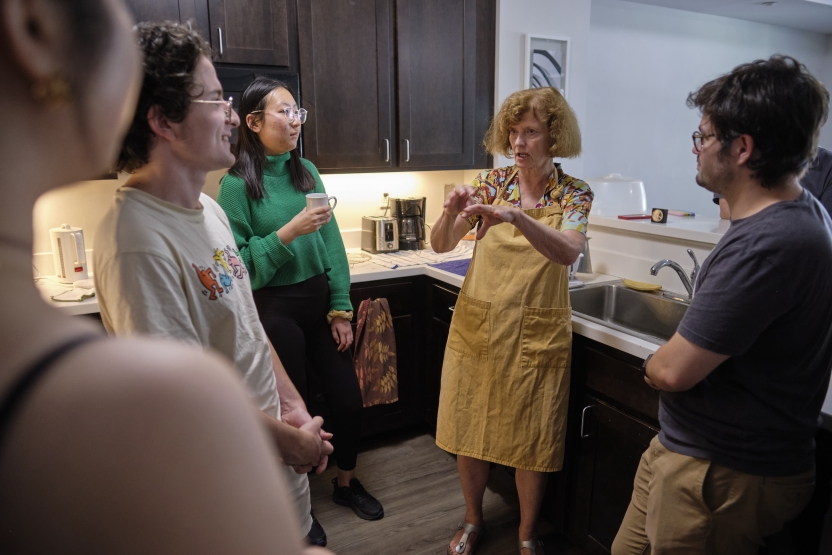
(174, 272)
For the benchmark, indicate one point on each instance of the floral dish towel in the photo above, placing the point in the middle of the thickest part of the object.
(375, 353)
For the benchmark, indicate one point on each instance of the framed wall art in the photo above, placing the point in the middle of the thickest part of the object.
(547, 63)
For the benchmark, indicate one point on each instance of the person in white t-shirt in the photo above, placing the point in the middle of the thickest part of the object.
(165, 258)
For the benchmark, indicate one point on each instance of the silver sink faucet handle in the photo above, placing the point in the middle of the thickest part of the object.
(695, 271)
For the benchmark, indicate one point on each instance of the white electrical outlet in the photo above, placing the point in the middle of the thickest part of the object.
(386, 202)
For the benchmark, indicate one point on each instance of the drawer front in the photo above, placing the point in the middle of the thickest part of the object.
(443, 300)
(619, 380)
(399, 296)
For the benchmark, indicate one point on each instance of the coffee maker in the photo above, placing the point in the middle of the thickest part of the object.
(410, 215)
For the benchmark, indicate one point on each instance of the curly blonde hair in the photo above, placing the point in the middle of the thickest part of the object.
(549, 108)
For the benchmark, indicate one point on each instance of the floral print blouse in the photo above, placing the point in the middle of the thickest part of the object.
(575, 200)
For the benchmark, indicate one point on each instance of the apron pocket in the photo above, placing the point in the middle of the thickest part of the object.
(469, 331)
(546, 337)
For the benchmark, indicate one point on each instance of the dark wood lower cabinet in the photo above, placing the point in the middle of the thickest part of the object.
(609, 447)
(441, 302)
(613, 416)
(408, 324)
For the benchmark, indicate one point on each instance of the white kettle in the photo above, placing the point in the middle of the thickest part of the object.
(68, 253)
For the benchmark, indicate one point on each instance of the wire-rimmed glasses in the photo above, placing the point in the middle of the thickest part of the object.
(226, 110)
(290, 113)
(699, 139)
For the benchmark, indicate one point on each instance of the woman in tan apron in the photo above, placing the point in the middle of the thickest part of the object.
(505, 377)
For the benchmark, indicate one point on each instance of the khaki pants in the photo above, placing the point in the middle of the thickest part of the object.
(684, 505)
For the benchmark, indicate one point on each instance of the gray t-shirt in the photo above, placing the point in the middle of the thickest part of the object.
(763, 297)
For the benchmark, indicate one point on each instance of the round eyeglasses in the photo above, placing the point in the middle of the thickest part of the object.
(291, 114)
(699, 139)
(226, 103)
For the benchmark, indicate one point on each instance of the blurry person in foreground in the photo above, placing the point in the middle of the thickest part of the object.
(165, 259)
(107, 445)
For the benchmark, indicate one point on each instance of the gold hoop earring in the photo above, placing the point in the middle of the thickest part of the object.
(51, 91)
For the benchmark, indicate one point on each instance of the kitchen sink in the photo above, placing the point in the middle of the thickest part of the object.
(647, 315)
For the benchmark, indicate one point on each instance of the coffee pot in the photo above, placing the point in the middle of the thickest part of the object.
(410, 217)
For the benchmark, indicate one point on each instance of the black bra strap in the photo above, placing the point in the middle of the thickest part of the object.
(26, 382)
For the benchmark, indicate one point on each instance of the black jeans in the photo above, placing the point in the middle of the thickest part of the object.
(294, 317)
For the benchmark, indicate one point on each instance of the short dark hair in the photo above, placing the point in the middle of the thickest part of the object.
(251, 156)
(171, 54)
(778, 103)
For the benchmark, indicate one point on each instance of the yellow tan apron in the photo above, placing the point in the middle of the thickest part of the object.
(505, 377)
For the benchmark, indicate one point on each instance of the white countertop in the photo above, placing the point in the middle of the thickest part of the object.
(697, 228)
(369, 271)
(50, 286)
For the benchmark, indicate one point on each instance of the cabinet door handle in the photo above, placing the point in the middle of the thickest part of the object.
(451, 308)
(221, 49)
(583, 416)
(386, 150)
(407, 150)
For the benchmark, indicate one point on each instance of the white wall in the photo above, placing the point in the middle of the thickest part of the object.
(643, 61)
(559, 18)
(83, 204)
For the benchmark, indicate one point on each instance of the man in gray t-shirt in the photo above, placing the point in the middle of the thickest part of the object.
(744, 378)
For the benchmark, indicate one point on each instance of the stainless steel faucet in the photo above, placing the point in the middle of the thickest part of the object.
(688, 282)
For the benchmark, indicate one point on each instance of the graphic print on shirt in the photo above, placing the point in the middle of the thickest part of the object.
(209, 282)
(218, 278)
(219, 259)
(235, 263)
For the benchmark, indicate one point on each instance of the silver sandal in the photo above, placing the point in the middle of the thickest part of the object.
(531, 545)
(463, 541)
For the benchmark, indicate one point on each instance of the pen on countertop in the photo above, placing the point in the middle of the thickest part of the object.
(681, 213)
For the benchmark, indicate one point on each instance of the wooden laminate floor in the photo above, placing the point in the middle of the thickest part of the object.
(419, 487)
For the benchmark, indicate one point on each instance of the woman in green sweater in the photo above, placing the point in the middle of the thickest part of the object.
(298, 268)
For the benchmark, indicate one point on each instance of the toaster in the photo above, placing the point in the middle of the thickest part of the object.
(379, 234)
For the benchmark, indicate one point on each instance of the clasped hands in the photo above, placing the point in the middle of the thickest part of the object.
(461, 203)
(314, 444)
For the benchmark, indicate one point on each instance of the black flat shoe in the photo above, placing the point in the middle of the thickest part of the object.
(316, 535)
(356, 498)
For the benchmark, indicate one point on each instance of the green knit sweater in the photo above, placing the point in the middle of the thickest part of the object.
(254, 224)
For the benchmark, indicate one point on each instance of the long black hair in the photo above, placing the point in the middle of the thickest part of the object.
(251, 156)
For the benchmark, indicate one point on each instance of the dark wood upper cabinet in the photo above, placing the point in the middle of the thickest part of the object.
(154, 10)
(396, 84)
(346, 70)
(437, 46)
(194, 11)
(251, 31)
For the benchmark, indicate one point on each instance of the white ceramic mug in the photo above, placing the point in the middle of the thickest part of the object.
(317, 200)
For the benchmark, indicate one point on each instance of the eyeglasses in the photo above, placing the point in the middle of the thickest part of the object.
(699, 139)
(290, 114)
(226, 103)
